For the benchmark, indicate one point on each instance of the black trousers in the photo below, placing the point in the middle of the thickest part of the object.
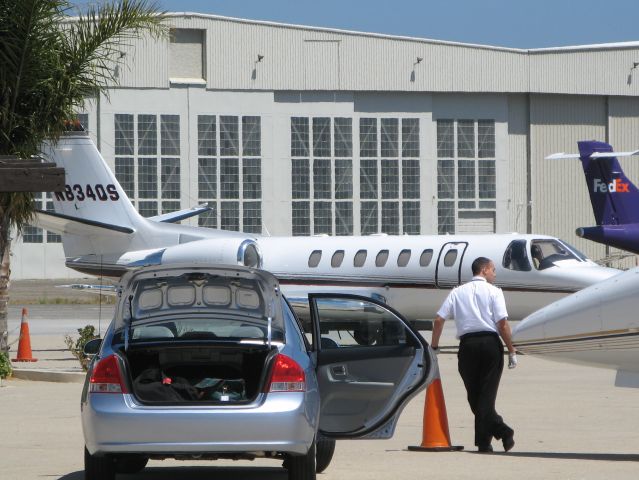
(480, 363)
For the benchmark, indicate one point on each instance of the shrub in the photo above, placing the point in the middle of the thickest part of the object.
(5, 365)
(77, 347)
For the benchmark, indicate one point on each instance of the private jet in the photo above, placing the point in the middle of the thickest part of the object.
(104, 235)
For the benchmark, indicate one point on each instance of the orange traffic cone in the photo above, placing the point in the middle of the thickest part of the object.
(435, 435)
(24, 346)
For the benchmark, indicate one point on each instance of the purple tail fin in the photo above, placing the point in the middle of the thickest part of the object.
(614, 198)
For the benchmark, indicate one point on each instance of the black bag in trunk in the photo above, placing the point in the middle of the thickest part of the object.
(153, 386)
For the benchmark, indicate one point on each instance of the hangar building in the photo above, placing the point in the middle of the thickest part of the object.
(295, 130)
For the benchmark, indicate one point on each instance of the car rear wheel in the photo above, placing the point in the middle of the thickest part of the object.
(325, 448)
(98, 468)
(302, 467)
(130, 463)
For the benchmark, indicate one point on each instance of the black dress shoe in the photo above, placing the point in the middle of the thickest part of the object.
(509, 442)
(485, 449)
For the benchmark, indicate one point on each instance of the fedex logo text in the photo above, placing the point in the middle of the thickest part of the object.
(617, 186)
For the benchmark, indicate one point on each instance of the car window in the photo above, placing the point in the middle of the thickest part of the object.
(349, 323)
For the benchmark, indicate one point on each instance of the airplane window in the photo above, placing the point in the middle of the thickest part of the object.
(403, 258)
(426, 257)
(450, 258)
(360, 258)
(546, 252)
(338, 257)
(515, 257)
(314, 259)
(381, 258)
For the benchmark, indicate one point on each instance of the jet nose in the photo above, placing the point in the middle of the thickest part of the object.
(584, 276)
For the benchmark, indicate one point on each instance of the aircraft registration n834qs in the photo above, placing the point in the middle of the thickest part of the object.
(103, 234)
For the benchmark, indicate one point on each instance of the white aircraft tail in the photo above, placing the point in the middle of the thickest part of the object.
(93, 213)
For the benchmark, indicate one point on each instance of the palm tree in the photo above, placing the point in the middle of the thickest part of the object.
(50, 64)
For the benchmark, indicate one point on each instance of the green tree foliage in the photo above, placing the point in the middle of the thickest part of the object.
(50, 63)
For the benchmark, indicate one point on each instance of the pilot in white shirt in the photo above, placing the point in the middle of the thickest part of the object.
(480, 314)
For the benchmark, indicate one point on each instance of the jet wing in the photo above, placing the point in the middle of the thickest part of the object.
(180, 214)
(65, 224)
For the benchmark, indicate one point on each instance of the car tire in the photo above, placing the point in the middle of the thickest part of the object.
(325, 449)
(98, 468)
(130, 463)
(302, 467)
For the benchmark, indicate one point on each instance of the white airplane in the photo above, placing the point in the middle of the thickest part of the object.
(103, 234)
(597, 326)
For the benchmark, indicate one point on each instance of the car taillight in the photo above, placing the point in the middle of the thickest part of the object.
(107, 377)
(287, 376)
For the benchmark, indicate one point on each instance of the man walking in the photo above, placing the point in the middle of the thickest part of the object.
(479, 310)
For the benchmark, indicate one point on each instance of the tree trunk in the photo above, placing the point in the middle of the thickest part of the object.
(5, 272)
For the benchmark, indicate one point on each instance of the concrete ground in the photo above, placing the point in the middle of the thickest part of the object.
(570, 422)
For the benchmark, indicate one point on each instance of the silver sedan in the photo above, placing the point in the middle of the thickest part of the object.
(212, 362)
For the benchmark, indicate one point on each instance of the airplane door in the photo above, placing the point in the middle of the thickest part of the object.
(449, 262)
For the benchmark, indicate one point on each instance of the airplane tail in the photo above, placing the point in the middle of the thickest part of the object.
(93, 213)
(614, 198)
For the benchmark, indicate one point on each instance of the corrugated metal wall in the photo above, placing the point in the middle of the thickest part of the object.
(517, 161)
(604, 71)
(559, 194)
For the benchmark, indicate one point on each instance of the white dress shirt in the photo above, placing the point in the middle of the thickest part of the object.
(476, 306)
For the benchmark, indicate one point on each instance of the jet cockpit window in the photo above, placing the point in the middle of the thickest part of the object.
(314, 259)
(360, 258)
(426, 257)
(381, 258)
(546, 252)
(515, 257)
(403, 258)
(337, 259)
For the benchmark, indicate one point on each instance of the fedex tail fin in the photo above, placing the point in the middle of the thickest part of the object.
(614, 198)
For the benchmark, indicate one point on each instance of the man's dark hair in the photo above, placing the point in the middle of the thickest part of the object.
(479, 264)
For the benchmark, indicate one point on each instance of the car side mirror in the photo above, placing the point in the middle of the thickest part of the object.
(92, 347)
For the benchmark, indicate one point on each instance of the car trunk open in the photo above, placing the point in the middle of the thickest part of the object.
(202, 373)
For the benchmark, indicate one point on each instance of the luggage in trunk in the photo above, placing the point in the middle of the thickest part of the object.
(184, 374)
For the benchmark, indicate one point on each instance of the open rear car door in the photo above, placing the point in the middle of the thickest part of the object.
(370, 363)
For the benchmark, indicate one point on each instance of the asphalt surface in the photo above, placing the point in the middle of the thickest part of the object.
(570, 422)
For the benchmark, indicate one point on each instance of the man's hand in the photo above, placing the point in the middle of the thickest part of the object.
(435, 350)
(512, 360)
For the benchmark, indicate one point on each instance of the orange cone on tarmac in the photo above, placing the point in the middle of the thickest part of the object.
(24, 346)
(435, 435)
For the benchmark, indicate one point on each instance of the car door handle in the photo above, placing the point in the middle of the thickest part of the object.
(338, 370)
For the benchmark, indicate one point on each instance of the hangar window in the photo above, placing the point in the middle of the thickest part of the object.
(389, 176)
(322, 180)
(147, 161)
(360, 258)
(403, 258)
(382, 258)
(337, 259)
(230, 172)
(314, 259)
(426, 257)
(34, 234)
(466, 176)
(515, 256)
